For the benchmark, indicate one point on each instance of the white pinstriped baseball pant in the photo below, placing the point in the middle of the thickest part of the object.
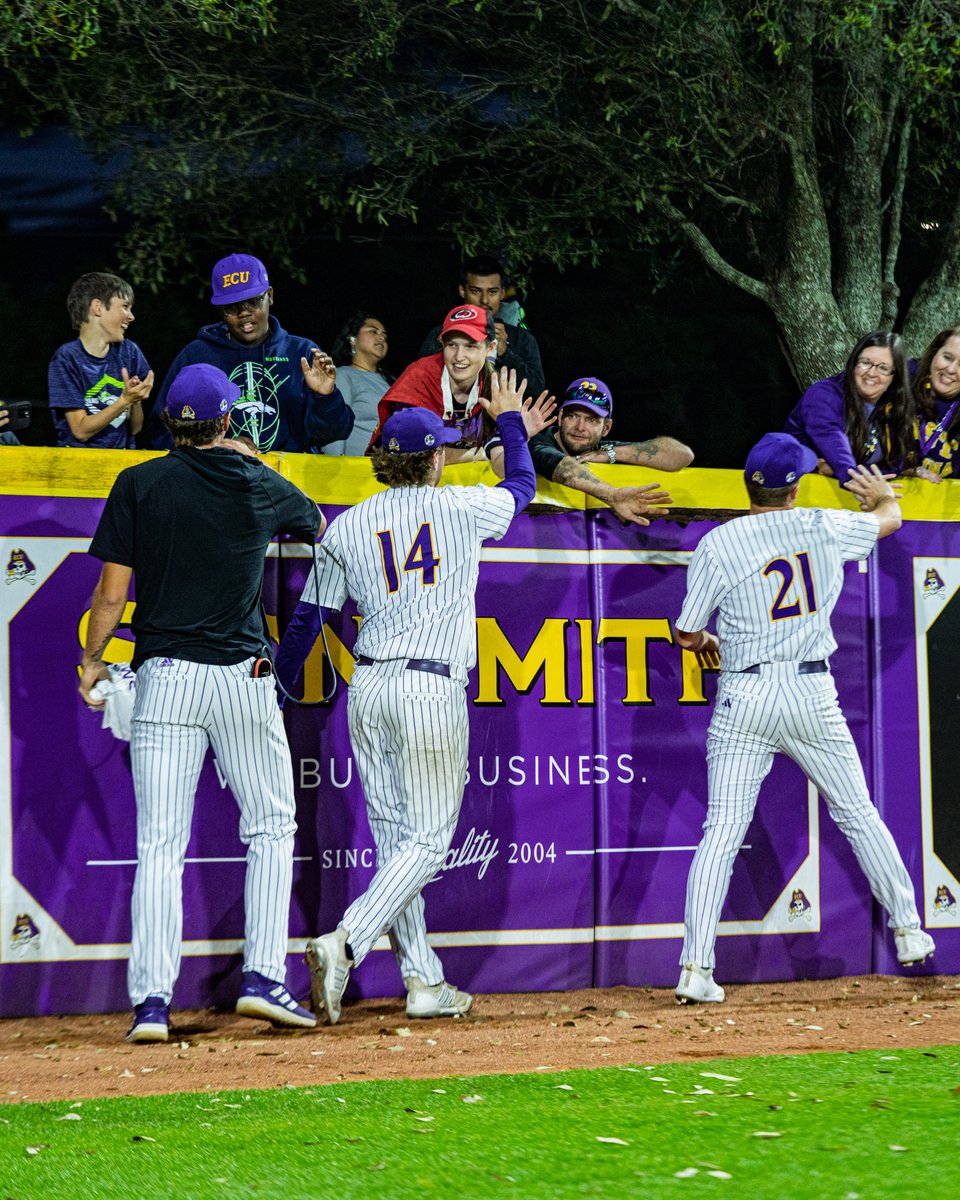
(181, 708)
(409, 731)
(798, 715)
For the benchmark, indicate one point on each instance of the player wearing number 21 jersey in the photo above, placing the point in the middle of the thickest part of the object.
(774, 577)
(410, 556)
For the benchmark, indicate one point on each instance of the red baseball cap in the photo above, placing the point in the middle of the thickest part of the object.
(474, 323)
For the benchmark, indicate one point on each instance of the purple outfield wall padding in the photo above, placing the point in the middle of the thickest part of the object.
(587, 778)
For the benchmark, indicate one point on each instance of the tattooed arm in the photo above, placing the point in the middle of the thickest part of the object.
(109, 601)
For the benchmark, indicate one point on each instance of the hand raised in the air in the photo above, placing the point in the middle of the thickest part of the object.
(538, 414)
(320, 374)
(635, 503)
(505, 394)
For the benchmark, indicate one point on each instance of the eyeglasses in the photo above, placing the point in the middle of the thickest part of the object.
(865, 366)
(251, 305)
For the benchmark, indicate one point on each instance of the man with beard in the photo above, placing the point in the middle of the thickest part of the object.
(562, 454)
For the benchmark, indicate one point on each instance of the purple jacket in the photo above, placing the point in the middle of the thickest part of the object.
(817, 422)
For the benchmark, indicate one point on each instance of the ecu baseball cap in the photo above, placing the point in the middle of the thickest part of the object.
(413, 430)
(588, 392)
(238, 277)
(778, 460)
(473, 322)
(201, 392)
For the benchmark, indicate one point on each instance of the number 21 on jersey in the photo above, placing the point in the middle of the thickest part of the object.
(785, 604)
(420, 557)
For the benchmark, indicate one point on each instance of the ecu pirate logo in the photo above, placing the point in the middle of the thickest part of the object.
(944, 902)
(20, 568)
(933, 585)
(25, 934)
(800, 908)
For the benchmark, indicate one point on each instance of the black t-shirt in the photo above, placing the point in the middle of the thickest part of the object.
(195, 527)
(547, 453)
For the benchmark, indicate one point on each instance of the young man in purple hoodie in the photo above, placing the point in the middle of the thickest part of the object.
(290, 400)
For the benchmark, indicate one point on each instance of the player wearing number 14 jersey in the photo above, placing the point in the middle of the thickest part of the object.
(774, 577)
(410, 557)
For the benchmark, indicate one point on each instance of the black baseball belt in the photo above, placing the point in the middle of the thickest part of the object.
(430, 665)
(814, 666)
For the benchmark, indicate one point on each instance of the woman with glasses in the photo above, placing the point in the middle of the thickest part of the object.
(865, 414)
(936, 392)
(358, 352)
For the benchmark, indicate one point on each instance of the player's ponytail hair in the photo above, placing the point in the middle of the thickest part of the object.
(402, 470)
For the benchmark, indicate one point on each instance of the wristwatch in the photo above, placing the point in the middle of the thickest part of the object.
(612, 453)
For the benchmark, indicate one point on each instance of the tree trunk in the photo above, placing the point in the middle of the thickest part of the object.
(936, 304)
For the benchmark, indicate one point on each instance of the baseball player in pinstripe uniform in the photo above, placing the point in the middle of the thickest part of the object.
(410, 558)
(194, 526)
(774, 578)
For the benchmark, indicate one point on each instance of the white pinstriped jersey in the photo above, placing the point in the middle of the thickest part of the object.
(410, 557)
(775, 578)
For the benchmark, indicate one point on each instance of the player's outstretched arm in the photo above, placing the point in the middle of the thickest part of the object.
(506, 404)
(704, 645)
(877, 496)
(297, 642)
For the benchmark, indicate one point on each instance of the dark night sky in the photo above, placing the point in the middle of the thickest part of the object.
(697, 360)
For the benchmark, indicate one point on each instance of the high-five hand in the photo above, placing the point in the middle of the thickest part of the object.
(505, 395)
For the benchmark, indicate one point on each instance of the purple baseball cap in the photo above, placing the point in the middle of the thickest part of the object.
(238, 277)
(201, 392)
(588, 392)
(413, 430)
(778, 460)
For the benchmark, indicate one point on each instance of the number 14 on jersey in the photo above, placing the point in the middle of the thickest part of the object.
(420, 557)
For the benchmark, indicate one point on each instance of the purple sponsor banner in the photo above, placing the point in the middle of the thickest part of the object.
(514, 906)
(917, 652)
(788, 882)
(587, 779)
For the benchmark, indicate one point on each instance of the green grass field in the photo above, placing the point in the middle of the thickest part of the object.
(866, 1125)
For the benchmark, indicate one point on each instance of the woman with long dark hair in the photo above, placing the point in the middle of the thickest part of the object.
(358, 351)
(865, 414)
(936, 392)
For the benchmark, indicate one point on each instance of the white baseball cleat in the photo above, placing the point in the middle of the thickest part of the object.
(913, 945)
(440, 1000)
(329, 972)
(698, 985)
